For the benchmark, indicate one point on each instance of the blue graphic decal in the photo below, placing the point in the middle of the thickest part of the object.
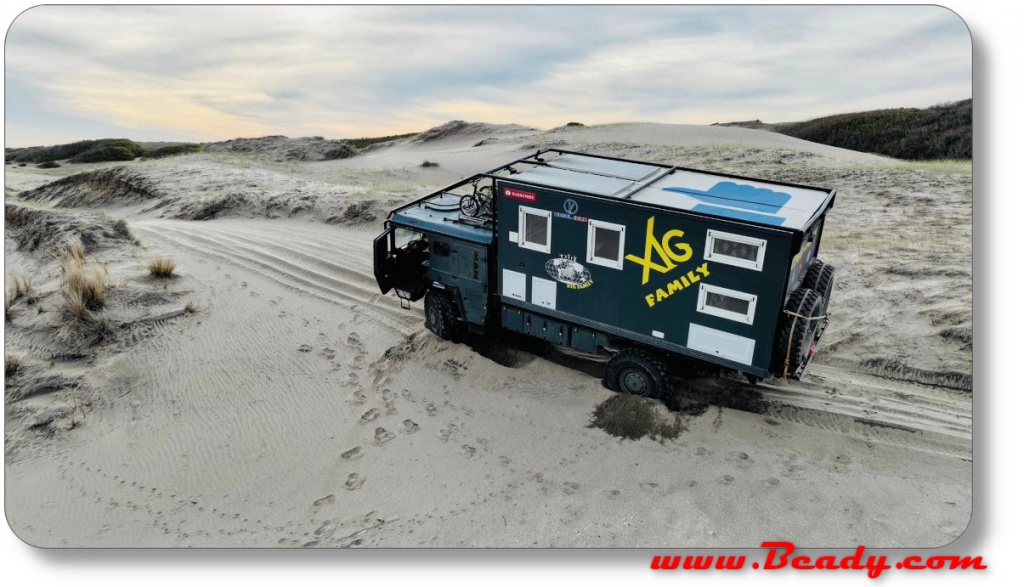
(727, 193)
(739, 214)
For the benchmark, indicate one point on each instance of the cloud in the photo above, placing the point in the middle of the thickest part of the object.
(216, 72)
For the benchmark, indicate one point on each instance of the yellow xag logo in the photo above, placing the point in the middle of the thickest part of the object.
(669, 252)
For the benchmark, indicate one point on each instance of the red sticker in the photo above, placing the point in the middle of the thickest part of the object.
(518, 195)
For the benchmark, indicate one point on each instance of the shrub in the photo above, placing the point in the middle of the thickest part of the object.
(191, 306)
(84, 287)
(11, 365)
(48, 165)
(575, 124)
(430, 164)
(173, 150)
(162, 267)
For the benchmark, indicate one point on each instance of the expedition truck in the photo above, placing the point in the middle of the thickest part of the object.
(658, 266)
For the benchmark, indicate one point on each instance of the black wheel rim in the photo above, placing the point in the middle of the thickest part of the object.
(635, 382)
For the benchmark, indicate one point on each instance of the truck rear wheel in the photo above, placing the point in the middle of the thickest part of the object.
(799, 325)
(442, 316)
(820, 277)
(638, 372)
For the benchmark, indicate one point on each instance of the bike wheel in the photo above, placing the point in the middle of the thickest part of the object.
(469, 206)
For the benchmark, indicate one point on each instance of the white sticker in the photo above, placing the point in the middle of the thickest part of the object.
(657, 334)
(513, 237)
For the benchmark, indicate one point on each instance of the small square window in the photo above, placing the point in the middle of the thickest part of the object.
(726, 303)
(734, 249)
(535, 229)
(605, 243)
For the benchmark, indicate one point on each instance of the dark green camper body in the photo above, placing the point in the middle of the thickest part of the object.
(560, 294)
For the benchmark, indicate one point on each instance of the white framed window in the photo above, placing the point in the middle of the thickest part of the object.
(734, 249)
(726, 303)
(605, 243)
(535, 229)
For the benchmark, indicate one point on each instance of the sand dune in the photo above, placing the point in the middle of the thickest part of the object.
(299, 407)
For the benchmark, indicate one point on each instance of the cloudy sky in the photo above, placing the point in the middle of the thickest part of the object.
(213, 73)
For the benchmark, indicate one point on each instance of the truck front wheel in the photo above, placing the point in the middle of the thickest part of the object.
(638, 372)
(442, 316)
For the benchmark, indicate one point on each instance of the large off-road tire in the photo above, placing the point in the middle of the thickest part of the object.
(797, 333)
(639, 372)
(820, 277)
(442, 316)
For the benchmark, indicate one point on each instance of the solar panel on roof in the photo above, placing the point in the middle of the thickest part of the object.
(574, 180)
(611, 168)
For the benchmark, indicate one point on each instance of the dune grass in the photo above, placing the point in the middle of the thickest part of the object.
(84, 286)
(162, 267)
(11, 365)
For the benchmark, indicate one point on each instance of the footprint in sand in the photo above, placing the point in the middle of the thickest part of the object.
(726, 479)
(357, 397)
(409, 427)
(370, 415)
(353, 454)
(431, 410)
(305, 348)
(327, 353)
(446, 433)
(468, 451)
(612, 493)
(326, 500)
(380, 436)
(355, 481)
(570, 487)
(358, 362)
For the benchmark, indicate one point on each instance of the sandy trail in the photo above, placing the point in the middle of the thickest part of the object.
(302, 408)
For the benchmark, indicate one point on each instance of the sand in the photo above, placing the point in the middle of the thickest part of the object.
(299, 407)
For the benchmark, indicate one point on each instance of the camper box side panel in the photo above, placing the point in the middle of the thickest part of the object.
(655, 290)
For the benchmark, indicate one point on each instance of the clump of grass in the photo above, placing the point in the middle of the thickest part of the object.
(574, 124)
(430, 164)
(11, 365)
(48, 165)
(22, 288)
(162, 267)
(84, 287)
(191, 306)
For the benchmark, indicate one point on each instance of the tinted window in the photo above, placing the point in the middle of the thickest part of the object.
(536, 230)
(727, 303)
(606, 243)
(730, 248)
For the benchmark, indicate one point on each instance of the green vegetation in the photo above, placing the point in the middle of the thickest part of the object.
(79, 152)
(93, 152)
(367, 141)
(430, 164)
(941, 132)
(172, 150)
(571, 124)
